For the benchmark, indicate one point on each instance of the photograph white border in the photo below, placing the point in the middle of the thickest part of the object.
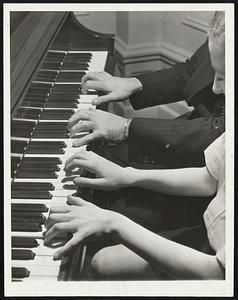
(126, 288)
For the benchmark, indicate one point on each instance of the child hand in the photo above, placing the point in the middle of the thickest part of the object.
(109, 176)
(81, 218)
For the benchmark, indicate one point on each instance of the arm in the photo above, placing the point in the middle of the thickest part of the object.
(180, 182)
(167, 85)
(85, 220)
(179, 261)
(190, 181)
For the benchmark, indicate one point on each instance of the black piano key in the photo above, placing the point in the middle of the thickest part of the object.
(46, 73)
(61, 105)
(19, 254)
(31, 165)
(33, 186)
(19, 272)
(52, 124)
(39, 91)
(15, 160)
(43, 175)
(45, 151)
(56, 144)
(49, 135)
(26, 226)
(60, 87)
(31, 194)
(51, 65)
(57, 111)
(64, 96)
(28, 214)
(29, 207)
(42, 160)
(29, 110)
(35, 97)
(48, 144)
(20, 217)
(26, 116)
(18, 146)
(13, 173)
(22, 133)
(23, 124)
(27, 167)
(51, 129)
(42, 86)
(24, 242)
(33, 104)
(55, 116)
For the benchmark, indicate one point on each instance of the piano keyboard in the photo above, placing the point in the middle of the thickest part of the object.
(39, 148)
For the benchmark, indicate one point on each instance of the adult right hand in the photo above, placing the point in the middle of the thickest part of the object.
(115, 88)
(101, 125)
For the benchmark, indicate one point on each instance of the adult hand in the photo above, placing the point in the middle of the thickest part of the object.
(101, 124)
(109, 176)
(115, 88)
(82, 219)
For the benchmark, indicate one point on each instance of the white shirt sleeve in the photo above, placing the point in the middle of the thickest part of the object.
(215, 156)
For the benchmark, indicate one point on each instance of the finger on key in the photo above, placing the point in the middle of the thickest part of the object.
(85, 140)
(81, 126)
(81, 114)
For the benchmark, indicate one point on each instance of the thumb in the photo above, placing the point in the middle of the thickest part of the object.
(98, 183)
(111, 97)
(67, 247)
(72, 200)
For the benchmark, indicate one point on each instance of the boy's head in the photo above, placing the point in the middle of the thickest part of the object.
(216, 44)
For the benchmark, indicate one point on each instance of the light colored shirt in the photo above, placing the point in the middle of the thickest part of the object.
(215, 214)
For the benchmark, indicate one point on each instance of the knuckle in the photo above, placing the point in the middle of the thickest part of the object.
(57, 227)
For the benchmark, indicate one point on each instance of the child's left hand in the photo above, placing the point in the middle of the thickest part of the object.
(82, 219)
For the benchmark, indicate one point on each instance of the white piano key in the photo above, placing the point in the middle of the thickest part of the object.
(35, 235)
(34, 279)
(47, 203)
(38, 260)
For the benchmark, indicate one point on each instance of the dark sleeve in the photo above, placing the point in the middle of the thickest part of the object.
(172, 143)
(167, 85)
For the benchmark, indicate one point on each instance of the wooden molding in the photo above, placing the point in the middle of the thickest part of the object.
(195, 23)
(165, 52)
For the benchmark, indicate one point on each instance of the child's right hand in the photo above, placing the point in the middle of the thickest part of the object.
(109, 176)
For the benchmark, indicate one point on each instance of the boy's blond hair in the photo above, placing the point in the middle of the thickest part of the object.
(216, 31)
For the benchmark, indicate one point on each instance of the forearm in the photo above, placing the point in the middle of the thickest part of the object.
(177, 260)
(180, 182)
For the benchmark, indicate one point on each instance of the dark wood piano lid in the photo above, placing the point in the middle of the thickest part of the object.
(28, 43)
(74, 36)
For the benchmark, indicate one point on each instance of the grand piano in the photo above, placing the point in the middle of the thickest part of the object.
(50, 52)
